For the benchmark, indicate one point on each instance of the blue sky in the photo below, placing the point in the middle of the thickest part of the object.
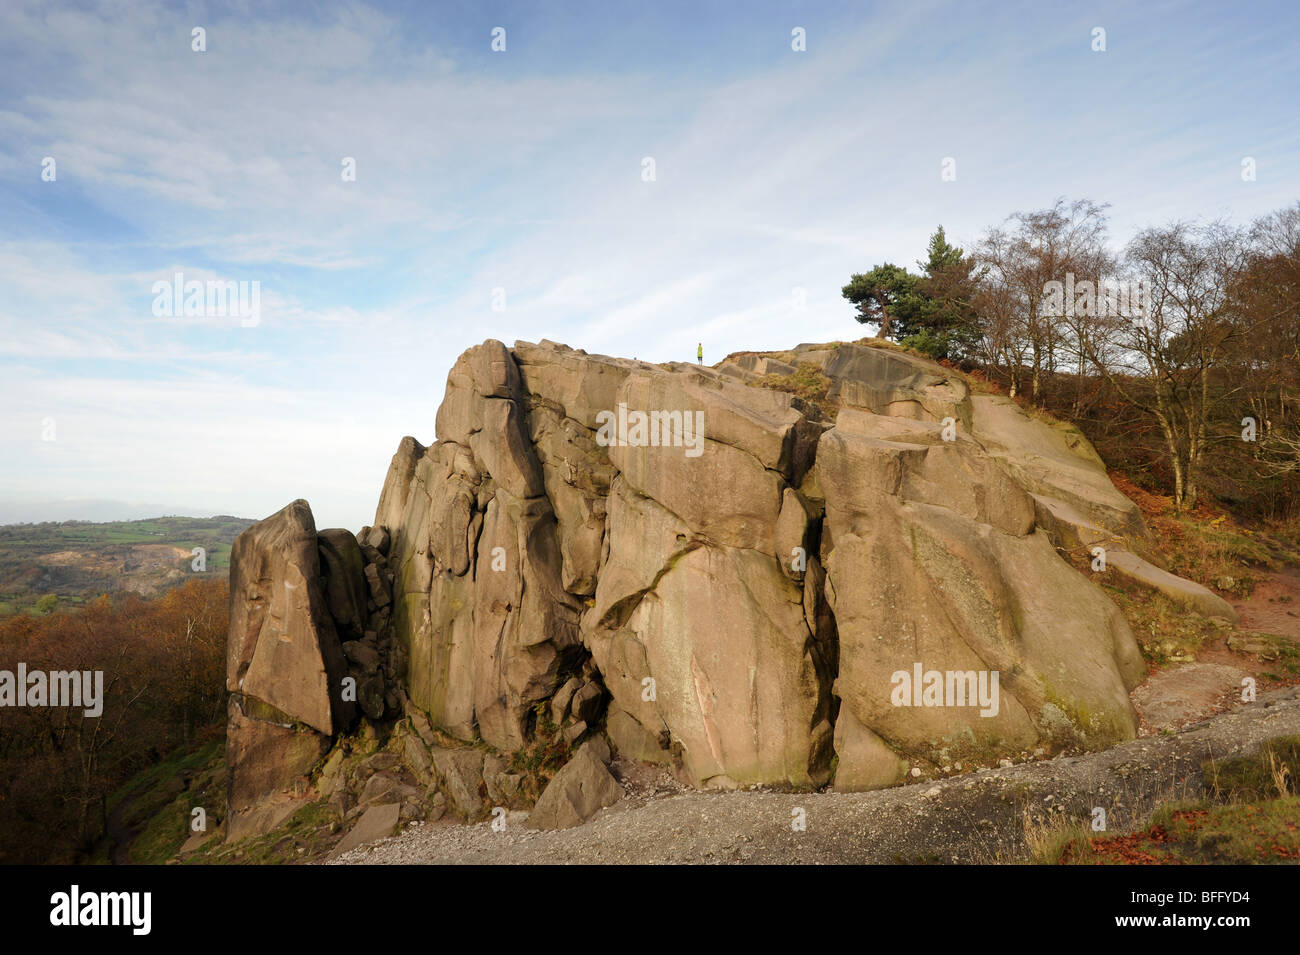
(522, 171)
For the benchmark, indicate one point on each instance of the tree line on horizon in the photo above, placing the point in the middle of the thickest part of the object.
(1180, 352)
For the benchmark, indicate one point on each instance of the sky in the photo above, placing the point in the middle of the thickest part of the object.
(506, 193)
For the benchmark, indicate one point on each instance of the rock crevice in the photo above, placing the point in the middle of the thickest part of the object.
(734, 604)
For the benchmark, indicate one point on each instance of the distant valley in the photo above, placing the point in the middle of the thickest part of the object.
(49, 565)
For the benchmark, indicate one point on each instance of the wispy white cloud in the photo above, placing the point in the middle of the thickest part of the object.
(522, 171)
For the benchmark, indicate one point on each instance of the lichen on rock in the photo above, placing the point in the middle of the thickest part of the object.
(735, 611)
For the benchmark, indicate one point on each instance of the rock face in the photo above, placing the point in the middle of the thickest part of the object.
(748, 586)
(283, 648)
(1188, 593)
(735, 582)
(295, 597)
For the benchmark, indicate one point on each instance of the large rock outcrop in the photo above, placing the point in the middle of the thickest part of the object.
(746, 589)
(728, 579)
(299, 622)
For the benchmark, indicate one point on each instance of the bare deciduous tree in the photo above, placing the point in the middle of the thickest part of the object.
(1021, 258)
(1177, 342)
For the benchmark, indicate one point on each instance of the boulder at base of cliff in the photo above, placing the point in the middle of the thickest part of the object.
(581, 789)
(378, 822)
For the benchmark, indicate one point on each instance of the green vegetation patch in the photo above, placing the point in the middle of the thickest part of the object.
(807, 382)
(1271, 771)
(307, 836)
(156, 804)
(1166, 633)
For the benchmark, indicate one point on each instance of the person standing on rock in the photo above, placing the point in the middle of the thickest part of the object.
(699, 353)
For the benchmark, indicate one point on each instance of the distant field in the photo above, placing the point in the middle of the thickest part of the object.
(76, 561)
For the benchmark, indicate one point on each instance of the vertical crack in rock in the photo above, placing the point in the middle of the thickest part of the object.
(707, 569)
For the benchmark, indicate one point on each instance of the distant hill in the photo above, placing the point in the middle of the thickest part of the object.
(78, 560)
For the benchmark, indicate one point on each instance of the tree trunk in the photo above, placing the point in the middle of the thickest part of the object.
(1175, 453)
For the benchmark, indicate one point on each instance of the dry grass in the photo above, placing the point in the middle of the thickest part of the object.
(1047, 839)
(807, 383)
(1210, 546)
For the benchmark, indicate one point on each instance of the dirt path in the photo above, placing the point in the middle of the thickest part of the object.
(973, 818)
(1173, 699)
(1274, 605)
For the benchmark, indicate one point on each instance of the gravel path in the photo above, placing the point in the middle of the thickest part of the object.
(977, 817)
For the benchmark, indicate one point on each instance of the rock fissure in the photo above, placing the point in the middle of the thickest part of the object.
(734, 617)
